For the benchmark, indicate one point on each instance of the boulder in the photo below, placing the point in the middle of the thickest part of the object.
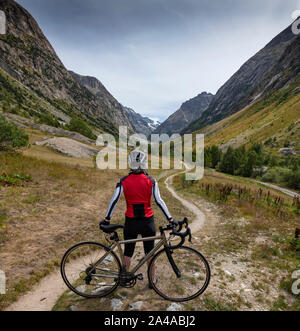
(287, 151)
(69, 147)
(24, 123)
(61, 132)
(174, 307)
(116, 304)
(136, 305)
(2, 282)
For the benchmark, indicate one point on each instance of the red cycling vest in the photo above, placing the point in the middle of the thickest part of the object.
(138, 191)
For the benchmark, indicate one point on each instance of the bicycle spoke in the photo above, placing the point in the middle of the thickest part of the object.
(194, 274)
(82, 277)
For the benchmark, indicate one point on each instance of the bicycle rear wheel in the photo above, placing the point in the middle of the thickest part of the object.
(86, 277)
(194, 274)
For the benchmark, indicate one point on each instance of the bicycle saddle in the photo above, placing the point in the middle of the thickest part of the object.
(111, 228)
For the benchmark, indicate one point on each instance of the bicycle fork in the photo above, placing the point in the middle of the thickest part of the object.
(172, 262)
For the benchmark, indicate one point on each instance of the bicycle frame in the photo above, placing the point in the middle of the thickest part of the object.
(117, 244)
(111, 265)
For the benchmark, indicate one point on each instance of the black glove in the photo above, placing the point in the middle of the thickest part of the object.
(175, 223)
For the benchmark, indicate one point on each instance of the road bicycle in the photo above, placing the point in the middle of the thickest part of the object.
(177, 273)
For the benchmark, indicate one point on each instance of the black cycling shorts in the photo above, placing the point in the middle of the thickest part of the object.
(135, 226)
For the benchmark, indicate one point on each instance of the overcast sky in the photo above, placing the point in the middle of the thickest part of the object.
(152, 55)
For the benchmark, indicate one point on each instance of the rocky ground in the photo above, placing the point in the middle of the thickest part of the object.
(69, 147)
(249, 272)
(27, 123)
(61, 205)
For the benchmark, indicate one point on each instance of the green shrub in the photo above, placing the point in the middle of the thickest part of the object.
(216, 155)
(11, 136)
(230, 162)
(207, 157)
(272, 161)
(13, 180)
(268, 142)
(272, 176)
(78, 125)
(292, 179)
(48, 119)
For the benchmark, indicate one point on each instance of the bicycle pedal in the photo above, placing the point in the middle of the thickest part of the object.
(140, 277)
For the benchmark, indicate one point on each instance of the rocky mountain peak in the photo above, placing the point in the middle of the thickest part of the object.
(88, 81)
(273, 67)
(20, 22)
(94, 86)
(143, 125)
(27, 56)
(187, 113)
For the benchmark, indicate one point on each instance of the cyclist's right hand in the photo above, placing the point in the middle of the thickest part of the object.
(177, 225)
(174, 223)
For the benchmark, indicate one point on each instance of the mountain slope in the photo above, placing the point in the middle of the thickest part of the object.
(275, 66)
(94, 86)
(141, 124)
(188, 112)
(27, 55)
(273, 120)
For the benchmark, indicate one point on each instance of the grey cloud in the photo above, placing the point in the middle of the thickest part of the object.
(154, 54)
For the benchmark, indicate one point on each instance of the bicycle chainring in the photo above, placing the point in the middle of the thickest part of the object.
(127, 280)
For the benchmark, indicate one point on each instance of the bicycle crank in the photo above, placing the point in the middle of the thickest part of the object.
(128, 280)
(140, 277)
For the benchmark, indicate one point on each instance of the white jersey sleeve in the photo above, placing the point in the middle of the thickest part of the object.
(114, 201)
(159, 201)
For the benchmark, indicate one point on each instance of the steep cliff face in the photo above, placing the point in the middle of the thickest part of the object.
(141, 124)
(276, 66)
(94, 86)
(285, 72)
(188, 112)
(27, 55)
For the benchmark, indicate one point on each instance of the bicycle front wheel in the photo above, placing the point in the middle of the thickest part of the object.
(191, 280)
(90, 270)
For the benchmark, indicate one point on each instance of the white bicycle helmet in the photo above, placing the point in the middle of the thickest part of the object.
(138, 160)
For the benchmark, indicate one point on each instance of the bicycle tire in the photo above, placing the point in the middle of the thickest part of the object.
(166, 274)
(73, 288)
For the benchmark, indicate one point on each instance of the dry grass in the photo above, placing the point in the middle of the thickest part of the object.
(48, 154)
(42, 218)
(251, 265)
(239, 190)
(250, 242)
(256, 123)
(58, 208)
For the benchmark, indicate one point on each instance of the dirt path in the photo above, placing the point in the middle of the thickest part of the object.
(199, 219)
(44, 296)
(281, 189)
